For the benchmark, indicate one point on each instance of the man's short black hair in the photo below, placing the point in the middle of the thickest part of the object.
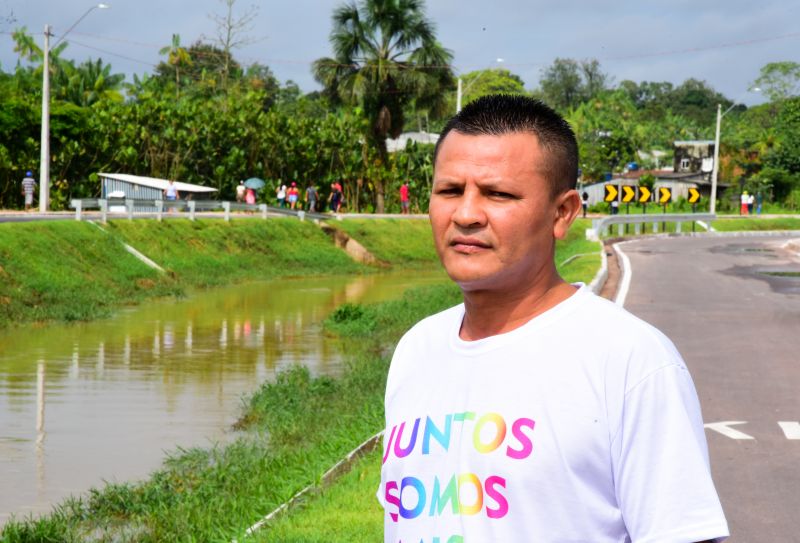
(499, 114)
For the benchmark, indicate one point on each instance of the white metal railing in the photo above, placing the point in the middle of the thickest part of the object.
(601, 227)
(157, 208)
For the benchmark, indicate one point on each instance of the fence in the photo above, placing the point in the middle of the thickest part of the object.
(129, 207)
(601, 227)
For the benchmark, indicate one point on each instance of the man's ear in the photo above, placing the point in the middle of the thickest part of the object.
(567, 205)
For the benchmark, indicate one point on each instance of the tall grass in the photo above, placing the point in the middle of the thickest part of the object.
(69, 271)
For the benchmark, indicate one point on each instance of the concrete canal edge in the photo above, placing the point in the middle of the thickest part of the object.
(353, 248)
(329, 477)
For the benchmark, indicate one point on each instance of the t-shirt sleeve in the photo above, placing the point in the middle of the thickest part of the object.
(660, 462)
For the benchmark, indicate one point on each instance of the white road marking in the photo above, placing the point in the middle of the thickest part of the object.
(725, 429)
(626, 273)
(791, 429)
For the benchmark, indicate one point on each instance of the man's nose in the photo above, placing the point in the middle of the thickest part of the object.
(470, 213)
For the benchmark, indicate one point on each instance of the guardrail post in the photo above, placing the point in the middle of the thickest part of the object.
(655, 228)
(227, 207)
(636, 228)
(129, 208)
(159, 209)
(77, 204)
(191, 209)
(103, 210)
(620, 229)
(301, 215)
(263, 208)
(678, 227)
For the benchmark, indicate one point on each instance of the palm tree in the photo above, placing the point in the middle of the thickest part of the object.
(176, 56)
(386, 57)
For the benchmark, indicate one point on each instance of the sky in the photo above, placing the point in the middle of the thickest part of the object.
(724, 42)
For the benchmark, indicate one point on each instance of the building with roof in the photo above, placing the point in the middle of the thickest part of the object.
(138, 187)
(693, 156)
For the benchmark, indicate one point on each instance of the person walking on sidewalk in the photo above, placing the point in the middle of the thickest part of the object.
(28, 189)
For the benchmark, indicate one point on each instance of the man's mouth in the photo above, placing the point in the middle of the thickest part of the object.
(468, 244)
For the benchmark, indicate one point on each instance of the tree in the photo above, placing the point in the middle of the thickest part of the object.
(230, 33)
(385, 57)
(567, 83)
(482, 82)
(697, 100)
(779, 80)
(177, 56)
(87, 83)
(561, 84)
(594, 80)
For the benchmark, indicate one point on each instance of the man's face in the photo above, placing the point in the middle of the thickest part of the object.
(492, 211)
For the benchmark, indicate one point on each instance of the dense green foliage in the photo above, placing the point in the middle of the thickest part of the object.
(383, 51)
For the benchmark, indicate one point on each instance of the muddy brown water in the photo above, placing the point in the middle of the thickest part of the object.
(105, 401)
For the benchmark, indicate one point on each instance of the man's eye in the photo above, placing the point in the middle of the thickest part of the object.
(497, 194)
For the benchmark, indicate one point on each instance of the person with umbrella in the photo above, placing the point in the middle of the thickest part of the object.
(252, 185)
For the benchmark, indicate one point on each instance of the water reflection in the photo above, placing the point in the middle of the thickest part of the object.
(104, 400)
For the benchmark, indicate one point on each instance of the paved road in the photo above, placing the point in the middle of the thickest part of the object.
(739, 331)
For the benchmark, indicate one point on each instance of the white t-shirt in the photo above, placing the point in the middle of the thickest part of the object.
(582, 425)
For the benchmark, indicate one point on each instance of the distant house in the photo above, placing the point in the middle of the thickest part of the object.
(393, 145)
(693, 156)
(124, 185)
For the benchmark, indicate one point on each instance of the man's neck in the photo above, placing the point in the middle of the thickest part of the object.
(489, 313)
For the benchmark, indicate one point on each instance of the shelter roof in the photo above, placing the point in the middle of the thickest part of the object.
(155, 183)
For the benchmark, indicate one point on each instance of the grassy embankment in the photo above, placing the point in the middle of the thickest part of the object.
(745, 224)
(65, 270)
(292, 431)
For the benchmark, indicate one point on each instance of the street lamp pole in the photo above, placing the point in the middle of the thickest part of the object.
(460, 92)
(715, 168)
(712, 207)
(44, 166)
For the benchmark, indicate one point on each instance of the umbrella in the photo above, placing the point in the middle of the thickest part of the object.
(254, 183)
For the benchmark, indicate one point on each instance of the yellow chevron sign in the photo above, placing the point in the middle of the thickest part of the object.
(644, 194)
(628, 194)
(611, 193)
(694, 195)
(664, 195)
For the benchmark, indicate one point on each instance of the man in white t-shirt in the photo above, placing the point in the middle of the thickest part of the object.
(534, 411)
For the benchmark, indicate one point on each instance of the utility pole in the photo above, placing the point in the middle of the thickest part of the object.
(712, 206)
(458, 96)
(44, 167)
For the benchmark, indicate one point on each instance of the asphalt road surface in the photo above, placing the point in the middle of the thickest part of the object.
(737, 325)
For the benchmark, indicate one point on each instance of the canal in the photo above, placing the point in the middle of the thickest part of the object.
(106, 401)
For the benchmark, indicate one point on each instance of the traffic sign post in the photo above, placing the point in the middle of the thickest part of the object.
(694, 197)
(628, 194)
(644, 197)
(664, 197)
(612, 193)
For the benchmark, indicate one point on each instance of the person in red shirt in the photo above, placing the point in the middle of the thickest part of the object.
(404, 198)
(293, 194)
